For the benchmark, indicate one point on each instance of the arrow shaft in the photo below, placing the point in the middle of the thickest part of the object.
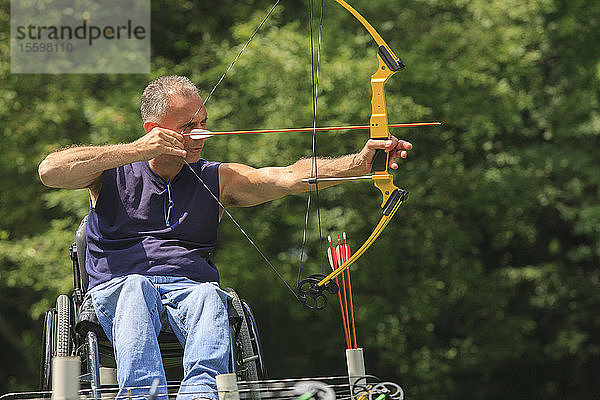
(320, 129)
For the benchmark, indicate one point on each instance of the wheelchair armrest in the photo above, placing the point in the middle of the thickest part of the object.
(86, 319)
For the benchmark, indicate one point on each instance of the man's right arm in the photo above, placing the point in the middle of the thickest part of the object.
(82, 167)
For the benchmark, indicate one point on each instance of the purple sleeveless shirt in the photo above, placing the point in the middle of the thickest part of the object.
(128, 231)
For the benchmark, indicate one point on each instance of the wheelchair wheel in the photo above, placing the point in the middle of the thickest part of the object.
(47, 350)
(63, 326)
(255, 340)
(57, 338)
(245, 357)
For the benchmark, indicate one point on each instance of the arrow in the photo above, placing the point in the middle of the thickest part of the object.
(346, 252)
(203, 133)
(334, 260)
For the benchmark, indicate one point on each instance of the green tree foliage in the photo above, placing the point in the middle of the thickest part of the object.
(485, 285)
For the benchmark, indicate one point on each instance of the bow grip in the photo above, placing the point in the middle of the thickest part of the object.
(380, 159)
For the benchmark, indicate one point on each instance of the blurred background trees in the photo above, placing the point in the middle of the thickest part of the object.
(487, 282)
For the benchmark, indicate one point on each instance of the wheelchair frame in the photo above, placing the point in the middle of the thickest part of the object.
(66, 335)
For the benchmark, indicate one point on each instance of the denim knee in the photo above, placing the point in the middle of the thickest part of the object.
(123, 298)
(207, 292)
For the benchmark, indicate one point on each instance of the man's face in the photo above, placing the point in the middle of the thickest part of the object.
(179, 118)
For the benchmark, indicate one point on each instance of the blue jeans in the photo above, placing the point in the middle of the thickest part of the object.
(129, 308)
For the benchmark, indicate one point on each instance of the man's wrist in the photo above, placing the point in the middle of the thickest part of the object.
(360, 163)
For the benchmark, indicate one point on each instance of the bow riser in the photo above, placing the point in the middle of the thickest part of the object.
(384, 182)
(379, 116)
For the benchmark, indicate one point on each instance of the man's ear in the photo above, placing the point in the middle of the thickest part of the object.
(148, 126)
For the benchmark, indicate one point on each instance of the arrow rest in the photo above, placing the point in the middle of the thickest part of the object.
(311, 295)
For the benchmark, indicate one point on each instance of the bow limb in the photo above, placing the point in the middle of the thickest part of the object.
(376, 36)
(391, 203)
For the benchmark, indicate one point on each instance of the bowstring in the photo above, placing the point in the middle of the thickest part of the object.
(314, 168)
(241, 51)
(266, 17)
(264, 257)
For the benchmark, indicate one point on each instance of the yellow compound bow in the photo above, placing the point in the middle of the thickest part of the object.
(311, 290)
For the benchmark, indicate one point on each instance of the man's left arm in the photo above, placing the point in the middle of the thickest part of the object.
(244, 186)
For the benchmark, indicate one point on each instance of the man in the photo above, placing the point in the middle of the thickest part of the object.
(153, 224)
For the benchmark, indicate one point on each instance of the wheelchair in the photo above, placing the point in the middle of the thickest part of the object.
(72, 329)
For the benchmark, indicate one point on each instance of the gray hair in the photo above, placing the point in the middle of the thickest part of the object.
(155, 99)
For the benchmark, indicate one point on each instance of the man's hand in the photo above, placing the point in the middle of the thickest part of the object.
(160, 141)
(395, 147)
